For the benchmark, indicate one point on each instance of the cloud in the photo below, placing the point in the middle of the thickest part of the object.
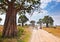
(44, 3)
(54, 5)
(57, 0)
(56, 19)
(3, 19)
(36, 16)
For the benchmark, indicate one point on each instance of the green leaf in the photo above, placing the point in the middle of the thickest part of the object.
(1, 0)
(23, 19)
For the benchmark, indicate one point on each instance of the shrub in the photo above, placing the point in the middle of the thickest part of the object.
(20, 31)
(19, 25)
(26, 24)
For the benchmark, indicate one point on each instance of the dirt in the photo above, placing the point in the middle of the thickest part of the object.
(43, 36)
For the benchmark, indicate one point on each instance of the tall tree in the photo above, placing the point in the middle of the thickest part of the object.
(51, 21)
(11, 8)
(0, 19)
(22, 19)
(32, 23)
(48, 20)
(40, 22)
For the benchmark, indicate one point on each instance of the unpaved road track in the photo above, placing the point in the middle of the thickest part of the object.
(43, 36)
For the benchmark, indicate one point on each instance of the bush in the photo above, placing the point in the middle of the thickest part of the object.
(26, 24)
(54, 27)
(20, 31)
(19, 25)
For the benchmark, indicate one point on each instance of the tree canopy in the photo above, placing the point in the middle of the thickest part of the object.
(20, 5)
(40, 21)
(22, 19)
(32, 23)
(48, 20)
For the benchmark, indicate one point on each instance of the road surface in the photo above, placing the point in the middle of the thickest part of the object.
(42, 36)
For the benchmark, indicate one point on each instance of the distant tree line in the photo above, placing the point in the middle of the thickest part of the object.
(46, 20)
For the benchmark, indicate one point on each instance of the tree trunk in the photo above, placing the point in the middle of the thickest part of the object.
(47, 25)
(22, 24)
(10, 26)
(41, 26)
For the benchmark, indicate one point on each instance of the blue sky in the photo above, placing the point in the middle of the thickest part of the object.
(53, 7)
(49, 7)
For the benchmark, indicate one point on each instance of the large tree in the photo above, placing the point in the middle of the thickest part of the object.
(22, 19)
(0, 19)
(51, 21)
(40, 22)
(48, 20)
(32, 23)
(11, 8)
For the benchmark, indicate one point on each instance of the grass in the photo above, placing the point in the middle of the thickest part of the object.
(21, 38)
(27, 35)
(54, 31)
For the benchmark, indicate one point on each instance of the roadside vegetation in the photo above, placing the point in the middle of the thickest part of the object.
(53, 30)
(23, 35)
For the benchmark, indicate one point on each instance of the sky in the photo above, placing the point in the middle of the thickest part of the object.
(49, 7)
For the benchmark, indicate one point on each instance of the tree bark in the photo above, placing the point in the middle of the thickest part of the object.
(47, 25)
(22, 24)
(41, 26)
(10, 26)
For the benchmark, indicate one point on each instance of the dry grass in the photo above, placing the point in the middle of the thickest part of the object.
(54, 31)
(27, 34)
(25, 37)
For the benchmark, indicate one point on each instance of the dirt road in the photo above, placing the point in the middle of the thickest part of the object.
(43, 36)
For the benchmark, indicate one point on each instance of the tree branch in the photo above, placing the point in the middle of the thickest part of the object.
(13, 1)
(3, 8)
(1, 5)
(23, 8)
(7, 1)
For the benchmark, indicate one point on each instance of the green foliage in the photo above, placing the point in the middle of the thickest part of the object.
(22, 19)
(48, 20)
(19, 40)
(29, 6)
(1, 0)
(20, 31)
(51, 21)
(32, 23)
(26, 24)
(40, 21)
